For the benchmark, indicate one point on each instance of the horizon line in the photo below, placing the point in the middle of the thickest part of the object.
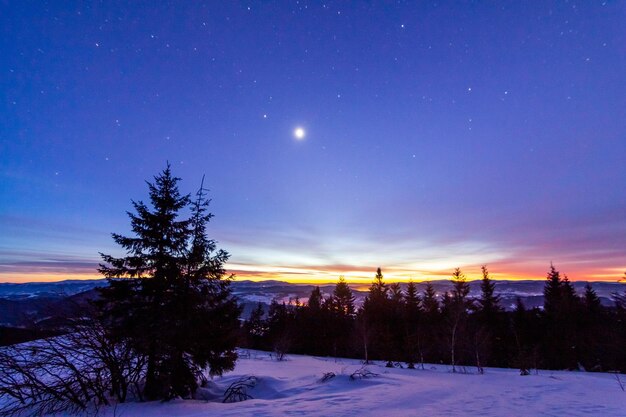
(313, 281)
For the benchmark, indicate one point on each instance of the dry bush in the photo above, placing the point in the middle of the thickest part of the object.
(238, 390)
(77, 372)
(327, 377)
(362, 373)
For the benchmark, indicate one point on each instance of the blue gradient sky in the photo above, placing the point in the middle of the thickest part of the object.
(439, 134)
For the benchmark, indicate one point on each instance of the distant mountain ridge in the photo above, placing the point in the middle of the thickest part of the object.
(48, 289)
(30, 303)
(530, 291)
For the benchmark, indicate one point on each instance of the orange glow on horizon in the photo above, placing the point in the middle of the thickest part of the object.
(306, 275)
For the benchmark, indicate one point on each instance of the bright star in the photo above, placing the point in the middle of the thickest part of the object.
(299, 133)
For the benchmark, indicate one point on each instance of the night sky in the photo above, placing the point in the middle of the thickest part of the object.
(435, 134)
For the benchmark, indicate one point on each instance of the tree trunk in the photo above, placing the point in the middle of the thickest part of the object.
(150, 390)
(452, 348)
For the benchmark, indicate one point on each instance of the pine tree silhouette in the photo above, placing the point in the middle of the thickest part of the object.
(489, 302)
(174, 304)
(315, 299)
(456, 309)
(343, 298)
(430, 304)
(552, 291)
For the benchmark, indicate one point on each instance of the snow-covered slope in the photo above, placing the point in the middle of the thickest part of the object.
(293, 387)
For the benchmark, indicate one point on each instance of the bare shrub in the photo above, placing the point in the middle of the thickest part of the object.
(281, 347)
(618, 380)
(77, 372)
(362, 373)
(238, 390)
(327, 377)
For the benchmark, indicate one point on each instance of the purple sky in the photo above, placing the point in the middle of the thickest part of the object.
(438, 134)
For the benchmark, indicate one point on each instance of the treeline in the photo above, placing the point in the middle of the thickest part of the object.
(14, 335)
(572, 331)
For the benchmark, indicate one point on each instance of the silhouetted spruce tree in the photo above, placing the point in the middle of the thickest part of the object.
(593, 331)
(429, 330)
(553, 345)
(412, 299)
(341, 319)
(552, 291)
(561, 309)
(487, 327)
(280, 324)
(460, 289)
(343, 298)
(374, 326)
(378, 290)
(489, 302)
(412, 316)
(572, 317)
(429, 299)
(255, 328)
(519, 326)
(395, 293)
(312, 329)
(457, 305)
(591, 301)
(204, 306)
(569, 298)
(315, 299)
(396, 324)
(155, 257)
(175, 305)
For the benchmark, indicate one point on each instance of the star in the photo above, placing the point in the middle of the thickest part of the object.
(299, 133)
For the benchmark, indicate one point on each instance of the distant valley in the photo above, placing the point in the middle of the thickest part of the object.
(37, 304)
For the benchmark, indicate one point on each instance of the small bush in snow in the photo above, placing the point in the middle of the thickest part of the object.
(77, 372)
(238, 390)
(327, 377)
(362, 373)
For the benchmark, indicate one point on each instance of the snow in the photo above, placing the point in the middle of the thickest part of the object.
(293, 387)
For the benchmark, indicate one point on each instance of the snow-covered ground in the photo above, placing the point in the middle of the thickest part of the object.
(293, 387)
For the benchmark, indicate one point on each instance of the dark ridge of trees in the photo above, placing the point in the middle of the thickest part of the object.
(405, 327)
(14, 335)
